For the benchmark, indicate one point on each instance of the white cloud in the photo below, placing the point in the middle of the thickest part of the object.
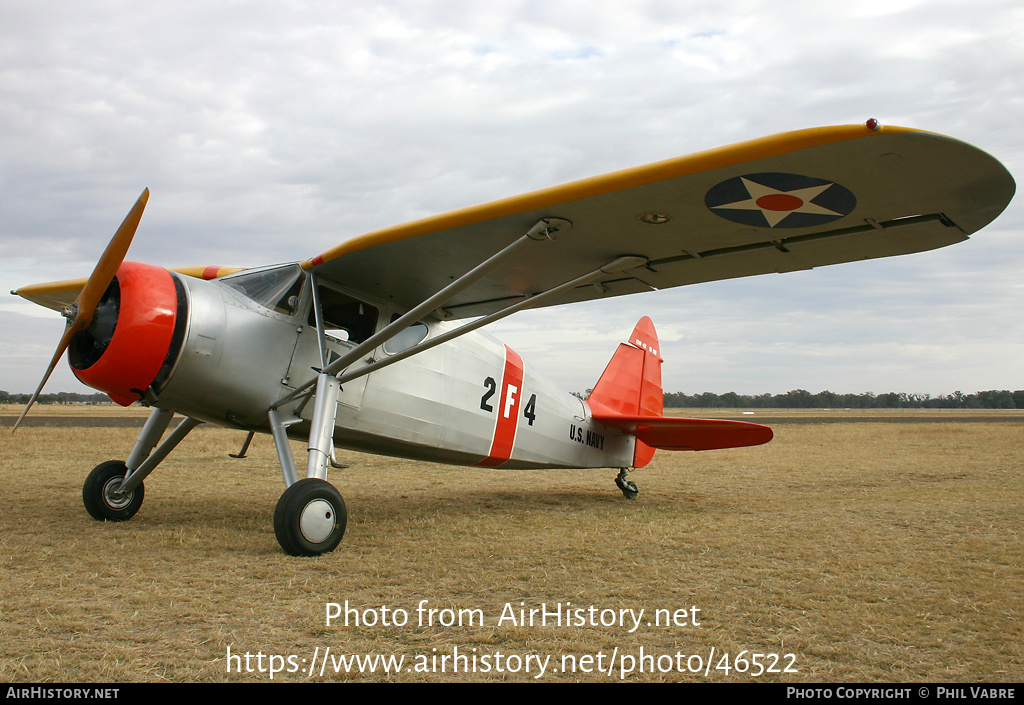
(272, 131)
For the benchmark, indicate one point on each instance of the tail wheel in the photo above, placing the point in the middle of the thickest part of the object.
(628, 487)
(102, 496)
(310, 518)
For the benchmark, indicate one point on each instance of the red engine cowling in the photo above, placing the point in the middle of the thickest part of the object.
(135, 335)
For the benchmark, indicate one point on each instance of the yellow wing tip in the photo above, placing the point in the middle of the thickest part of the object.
(52, 295)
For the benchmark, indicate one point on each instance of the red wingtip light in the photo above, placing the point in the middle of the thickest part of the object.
(873, 125)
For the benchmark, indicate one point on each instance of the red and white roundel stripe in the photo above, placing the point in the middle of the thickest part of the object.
(509, 401)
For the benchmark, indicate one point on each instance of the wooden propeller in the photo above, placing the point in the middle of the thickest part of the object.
(79, 314)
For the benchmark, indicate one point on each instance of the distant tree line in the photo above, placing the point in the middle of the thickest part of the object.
(58, 398)
(802, 399)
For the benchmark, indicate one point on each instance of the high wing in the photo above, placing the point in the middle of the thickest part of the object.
(783, 203)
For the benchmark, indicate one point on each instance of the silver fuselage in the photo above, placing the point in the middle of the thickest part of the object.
(455, 403)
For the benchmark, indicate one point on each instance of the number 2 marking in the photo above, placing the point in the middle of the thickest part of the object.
(492, 387)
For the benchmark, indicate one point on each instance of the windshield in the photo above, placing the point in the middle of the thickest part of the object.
(277, 289)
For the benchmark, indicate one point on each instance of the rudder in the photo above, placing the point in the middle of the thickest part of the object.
(630, 385)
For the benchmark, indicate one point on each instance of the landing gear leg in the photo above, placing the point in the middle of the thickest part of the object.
(310, 517)
(628, 488)
(113, 491)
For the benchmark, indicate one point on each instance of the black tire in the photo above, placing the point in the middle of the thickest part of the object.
(100, 496)
(629, 488)
(310, 518)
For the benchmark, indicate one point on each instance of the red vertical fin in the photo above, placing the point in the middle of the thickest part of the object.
(631, 383)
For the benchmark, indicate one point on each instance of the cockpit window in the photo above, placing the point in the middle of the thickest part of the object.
(407, 338)
(277, 289)
(345, 318)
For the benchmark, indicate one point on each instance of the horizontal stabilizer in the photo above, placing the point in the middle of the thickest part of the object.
(689, 434)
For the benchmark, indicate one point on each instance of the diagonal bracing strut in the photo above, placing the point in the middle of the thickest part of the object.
(328, 386)
(544, 229)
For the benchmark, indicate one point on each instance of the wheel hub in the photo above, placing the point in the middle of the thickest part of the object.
(317, 521)
(113, 496)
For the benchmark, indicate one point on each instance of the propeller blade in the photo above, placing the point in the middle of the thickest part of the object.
(108, 264)
(65, 340)
(80, 313)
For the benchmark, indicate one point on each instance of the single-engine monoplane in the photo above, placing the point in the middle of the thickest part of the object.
(375, 345)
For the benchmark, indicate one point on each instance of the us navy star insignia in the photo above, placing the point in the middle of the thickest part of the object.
(775, 205)
(780, 200)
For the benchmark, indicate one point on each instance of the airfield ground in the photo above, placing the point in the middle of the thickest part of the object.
(869, 550)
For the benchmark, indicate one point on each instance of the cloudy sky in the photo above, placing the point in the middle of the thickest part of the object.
(271, 131)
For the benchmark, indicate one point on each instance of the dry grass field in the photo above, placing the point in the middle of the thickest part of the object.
(868, 551)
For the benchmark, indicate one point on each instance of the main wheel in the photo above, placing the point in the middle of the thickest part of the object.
(102, 497)
(310, 518)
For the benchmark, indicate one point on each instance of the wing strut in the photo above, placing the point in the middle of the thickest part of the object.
(544, 229)
(328, 386)
(618, 264)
